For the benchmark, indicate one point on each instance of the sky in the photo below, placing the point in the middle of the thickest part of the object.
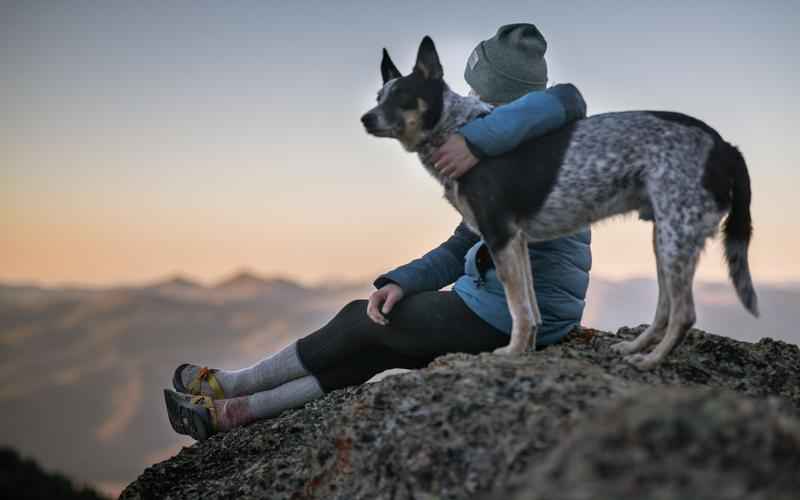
(144, 139)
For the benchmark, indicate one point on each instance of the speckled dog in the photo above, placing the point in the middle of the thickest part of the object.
(673, 169)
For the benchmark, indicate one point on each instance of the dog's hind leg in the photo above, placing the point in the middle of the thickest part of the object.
(513, 269)
(654, 332)
(679, 271)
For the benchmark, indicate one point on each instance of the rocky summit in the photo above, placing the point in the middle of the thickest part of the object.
(720, 419)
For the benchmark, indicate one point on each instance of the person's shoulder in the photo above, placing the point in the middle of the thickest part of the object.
(570, 98)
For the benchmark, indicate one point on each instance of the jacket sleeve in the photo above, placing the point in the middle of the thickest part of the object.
(532, 115)
(437, 268)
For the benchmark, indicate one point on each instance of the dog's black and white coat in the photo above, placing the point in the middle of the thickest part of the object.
(673, 169)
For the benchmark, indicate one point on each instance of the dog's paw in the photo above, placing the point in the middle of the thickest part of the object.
(642, 361)
(504, 351)
(624, 347)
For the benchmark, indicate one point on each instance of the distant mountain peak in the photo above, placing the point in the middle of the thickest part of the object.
(182, 280)
(246, 282)
(177, 281)
(243, 278)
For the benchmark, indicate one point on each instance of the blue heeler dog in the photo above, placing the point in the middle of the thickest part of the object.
(673, 169)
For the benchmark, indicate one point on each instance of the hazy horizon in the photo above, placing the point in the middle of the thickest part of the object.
(323, 281)
(148, 139)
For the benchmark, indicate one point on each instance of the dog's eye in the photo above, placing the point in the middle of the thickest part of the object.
(406, 101)
(403, 99)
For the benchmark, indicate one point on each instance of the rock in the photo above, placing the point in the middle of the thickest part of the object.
(675, 443)
(719, 418)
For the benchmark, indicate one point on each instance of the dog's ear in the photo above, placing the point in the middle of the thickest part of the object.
(388, 70)
(428, 64)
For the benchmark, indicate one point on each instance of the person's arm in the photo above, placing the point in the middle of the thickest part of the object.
(434, 270)
(437, 268)
(507, 126)
(532, 115)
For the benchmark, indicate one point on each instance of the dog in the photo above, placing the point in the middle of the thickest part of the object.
(673, 169)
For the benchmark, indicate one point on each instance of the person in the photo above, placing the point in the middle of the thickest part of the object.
(408, 321)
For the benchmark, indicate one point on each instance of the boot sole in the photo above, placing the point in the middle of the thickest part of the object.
(187, 418)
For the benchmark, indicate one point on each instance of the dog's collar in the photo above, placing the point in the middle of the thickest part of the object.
(457, 110)
(439, 133)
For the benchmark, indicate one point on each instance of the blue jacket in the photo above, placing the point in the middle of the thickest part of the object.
(560, 267)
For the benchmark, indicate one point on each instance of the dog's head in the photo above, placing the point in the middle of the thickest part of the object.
(408, 106)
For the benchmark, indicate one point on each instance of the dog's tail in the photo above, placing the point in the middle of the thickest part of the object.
(738, 229)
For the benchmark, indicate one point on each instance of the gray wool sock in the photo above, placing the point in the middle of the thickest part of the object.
(243, 410)
(270, 372)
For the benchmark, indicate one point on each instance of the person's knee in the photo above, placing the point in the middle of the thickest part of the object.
(354, 308)
(355, 326)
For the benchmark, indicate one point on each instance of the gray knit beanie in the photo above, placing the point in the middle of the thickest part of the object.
(508, 65)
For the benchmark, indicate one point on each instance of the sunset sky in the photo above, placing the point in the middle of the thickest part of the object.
(143, 139)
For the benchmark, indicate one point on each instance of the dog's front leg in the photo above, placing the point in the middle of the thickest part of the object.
(513, 269)
(531, 296)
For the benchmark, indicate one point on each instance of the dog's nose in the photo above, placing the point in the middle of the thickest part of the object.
(369, 120)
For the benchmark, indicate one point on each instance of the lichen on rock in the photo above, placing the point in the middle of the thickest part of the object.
(719, 417)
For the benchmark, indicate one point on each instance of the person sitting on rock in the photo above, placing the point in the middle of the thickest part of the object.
(408, 321)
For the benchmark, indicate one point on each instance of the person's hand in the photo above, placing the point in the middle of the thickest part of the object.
(454, 159)
(387, 296)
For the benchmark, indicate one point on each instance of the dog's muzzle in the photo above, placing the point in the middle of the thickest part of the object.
(372, 125)
(370, 121)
